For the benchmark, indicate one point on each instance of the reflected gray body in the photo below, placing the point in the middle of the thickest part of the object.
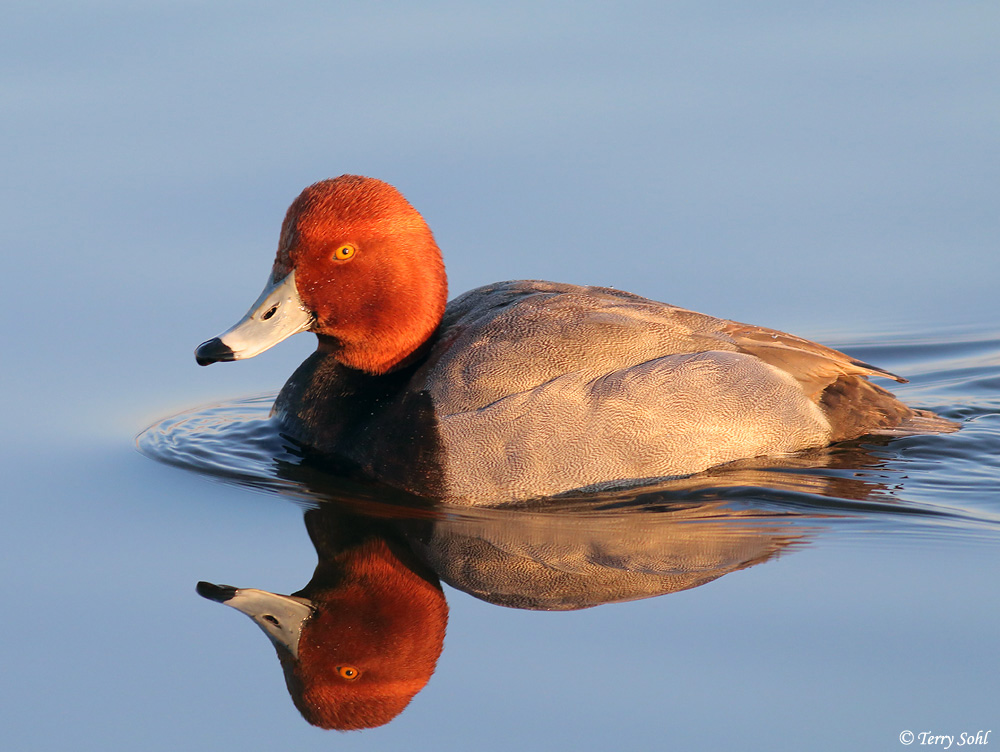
(532, 389)
(564, 562)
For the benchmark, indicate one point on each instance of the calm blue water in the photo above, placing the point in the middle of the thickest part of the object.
(831, 172)
(928, 497)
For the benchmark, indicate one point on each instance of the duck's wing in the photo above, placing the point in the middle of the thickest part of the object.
(838, 383)
(513, 336)
(813, 365)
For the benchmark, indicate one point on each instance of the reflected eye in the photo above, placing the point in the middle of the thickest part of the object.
(348, 672)
(345, 252)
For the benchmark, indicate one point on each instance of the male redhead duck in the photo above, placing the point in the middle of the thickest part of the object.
(525, 389)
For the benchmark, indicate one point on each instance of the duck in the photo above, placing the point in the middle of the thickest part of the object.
(525, 389)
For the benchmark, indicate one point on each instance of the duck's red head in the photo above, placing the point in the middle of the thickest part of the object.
(355, 652)
(358, 266)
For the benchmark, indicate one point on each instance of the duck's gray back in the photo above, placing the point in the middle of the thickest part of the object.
(541, 388)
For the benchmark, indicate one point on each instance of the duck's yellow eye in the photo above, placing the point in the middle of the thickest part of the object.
(345, 252)
(348, 672)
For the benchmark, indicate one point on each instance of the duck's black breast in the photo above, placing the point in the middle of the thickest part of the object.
(376, 426)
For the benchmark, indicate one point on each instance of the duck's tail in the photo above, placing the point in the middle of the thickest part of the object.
(921, 422)
(856, 407)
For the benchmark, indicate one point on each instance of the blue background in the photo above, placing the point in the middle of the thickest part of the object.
(826, 169)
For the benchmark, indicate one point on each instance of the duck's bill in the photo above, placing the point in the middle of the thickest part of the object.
(276, 315)
(280, 616)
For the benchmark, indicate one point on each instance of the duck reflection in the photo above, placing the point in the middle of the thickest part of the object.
(364, 635)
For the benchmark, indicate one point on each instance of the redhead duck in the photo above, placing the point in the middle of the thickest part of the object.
(525, 389)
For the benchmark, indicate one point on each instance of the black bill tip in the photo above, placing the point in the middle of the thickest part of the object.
(217, 593)
(213, 351)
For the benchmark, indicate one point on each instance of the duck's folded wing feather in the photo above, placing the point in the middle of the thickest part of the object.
(814, 366)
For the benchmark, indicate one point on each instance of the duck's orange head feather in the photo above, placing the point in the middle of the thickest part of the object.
(367, 266)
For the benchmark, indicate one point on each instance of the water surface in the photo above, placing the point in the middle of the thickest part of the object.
(827, 171)
(582, 550)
